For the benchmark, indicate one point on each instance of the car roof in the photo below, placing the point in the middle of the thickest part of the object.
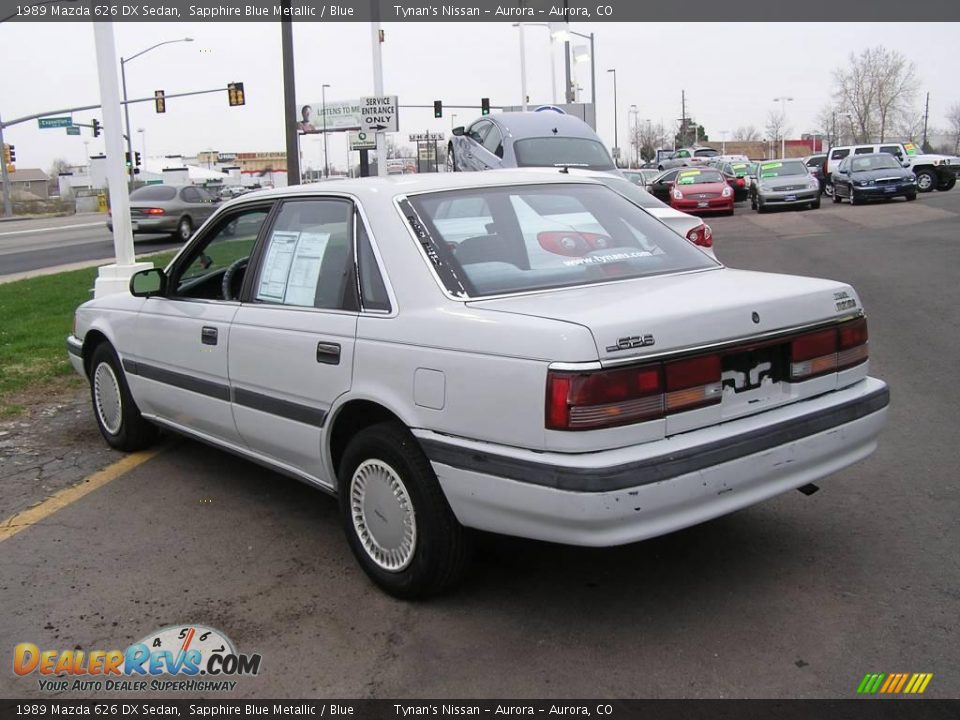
(395, 185)
(541, 124)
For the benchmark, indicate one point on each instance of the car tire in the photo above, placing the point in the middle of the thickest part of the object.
(184, 229)
(761, 208)
(948, 184)
(385, 473)
(828, 189)
(854, 200)
(117, 415)
(451, 160)
(836, 197)
(911, 197)
(926, 180)
(815, 205)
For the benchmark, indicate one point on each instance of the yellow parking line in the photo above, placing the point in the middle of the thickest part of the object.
(61, 499)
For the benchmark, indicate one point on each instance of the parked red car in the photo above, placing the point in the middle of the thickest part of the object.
(698, 191)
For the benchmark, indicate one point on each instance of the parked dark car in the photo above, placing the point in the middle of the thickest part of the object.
(816, 164)
(662, 184)
(867, 177)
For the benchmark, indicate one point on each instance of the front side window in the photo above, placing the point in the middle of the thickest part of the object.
(562, 152)
(227, 248)
(494, 141)
(478, 131)
(534, 237)
(307, 260)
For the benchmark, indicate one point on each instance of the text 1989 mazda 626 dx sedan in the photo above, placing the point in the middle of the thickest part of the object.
(513, 352)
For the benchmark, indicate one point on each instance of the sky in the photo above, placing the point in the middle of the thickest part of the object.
(730, 72)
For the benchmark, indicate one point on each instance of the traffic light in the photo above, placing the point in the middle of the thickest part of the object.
(484, 106)
(136, 158)
(235, 94)
(97, 128)
(437, 108)
(129, 164)
(6, 154)
(160, 101)
(12, 152)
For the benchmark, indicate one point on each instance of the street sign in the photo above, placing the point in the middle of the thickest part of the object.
(362, 140)
(427, 136)
(55, 122)
(426, 153)
(379, 114)
(73, 130)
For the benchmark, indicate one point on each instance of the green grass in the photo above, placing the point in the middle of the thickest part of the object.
(36, 315)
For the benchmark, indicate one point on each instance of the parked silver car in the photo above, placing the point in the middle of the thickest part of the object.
(527, 139)
(157, 209)
(784, 183)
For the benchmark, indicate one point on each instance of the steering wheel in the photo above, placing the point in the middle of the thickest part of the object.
(229, 275)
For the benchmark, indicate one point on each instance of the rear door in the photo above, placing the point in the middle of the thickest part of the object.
(292, 340)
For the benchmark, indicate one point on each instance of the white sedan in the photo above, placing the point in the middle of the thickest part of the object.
(529, 354)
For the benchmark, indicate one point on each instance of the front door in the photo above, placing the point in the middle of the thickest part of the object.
(292, 340)
(179, 360)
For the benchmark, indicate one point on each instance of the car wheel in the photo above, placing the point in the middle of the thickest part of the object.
(836, 196)
(828, 189)
(761, 208)
(398, 522)
(854, 200)
(926, 180)
(946, 184)
(753, 202)
(451, 160)
(815, 205)
(911, 197)
(184, 229)
(117, 415)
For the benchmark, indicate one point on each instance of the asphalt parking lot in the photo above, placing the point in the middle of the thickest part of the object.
(797, 597)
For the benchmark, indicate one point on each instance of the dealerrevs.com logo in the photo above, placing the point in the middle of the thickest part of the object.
(187, 658)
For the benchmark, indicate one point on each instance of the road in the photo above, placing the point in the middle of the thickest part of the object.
(36, 244)
(797, 597)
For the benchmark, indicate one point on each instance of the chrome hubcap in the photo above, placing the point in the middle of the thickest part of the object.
(383, 515)
(450, 162)
(106, 395)
(924, 182)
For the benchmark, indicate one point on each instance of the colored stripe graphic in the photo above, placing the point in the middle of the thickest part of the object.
(894, 683)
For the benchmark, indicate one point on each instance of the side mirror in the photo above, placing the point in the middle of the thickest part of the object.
(905, 163)
(458, 130)
(148, 283)
(669, 183)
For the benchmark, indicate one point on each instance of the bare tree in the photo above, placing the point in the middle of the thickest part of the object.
(953, 118)
(746, 133)
(59, 165)
(776, 126)
(646, 138)
(874, 87)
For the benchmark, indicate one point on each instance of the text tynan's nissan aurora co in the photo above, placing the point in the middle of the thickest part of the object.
(523, 353)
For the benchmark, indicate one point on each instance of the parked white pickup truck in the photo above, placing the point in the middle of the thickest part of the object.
(522, 353)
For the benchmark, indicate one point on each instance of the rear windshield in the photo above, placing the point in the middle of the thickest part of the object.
(154, 192)
(706, 152)
(493, 241)
(782, 169)
(695, 177)
(561, 151)
(883, 161)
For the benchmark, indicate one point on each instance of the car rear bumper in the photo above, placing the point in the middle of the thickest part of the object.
(629, 494)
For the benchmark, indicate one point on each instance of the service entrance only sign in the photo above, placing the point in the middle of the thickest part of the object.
(379, 114)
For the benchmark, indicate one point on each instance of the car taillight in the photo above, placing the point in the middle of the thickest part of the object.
(826, 351)
(155, 211)
(572, 243)
(608, 398)
(587, 401)
(701, 235)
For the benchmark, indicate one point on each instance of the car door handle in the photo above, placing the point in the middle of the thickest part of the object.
(208, 335)
(328, 353)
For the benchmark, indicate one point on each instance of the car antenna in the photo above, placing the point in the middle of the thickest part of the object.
(565, 169)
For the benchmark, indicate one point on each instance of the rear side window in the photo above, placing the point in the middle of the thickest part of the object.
(868, 150)
(891, 150)
(308, 258)
(546, 236)
(839, 154)
(154, 192)
(192, 195)
(373, 291)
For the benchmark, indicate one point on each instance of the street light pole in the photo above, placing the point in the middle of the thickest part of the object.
(783, 100)
(635, 136)
(126, 106)
(616, 136)
(323, 102)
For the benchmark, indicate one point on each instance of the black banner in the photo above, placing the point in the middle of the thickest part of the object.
(476, 11)
(859, 709)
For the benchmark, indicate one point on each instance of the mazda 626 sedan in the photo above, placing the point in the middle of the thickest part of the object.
(512, 352)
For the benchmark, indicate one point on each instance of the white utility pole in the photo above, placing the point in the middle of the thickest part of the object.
(523, 69)
(375, 41)
(783, 100)
(114, 278)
